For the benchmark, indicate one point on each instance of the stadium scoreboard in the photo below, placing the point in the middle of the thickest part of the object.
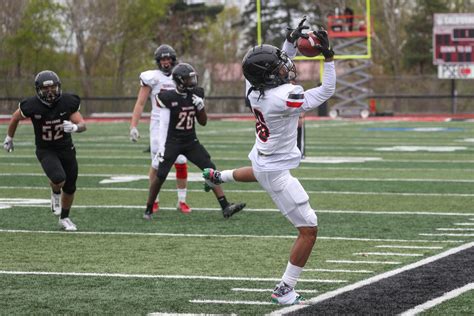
(453, 38)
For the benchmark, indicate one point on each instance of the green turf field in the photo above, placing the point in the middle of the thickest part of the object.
(406, 193)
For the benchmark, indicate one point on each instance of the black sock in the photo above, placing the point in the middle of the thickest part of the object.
(59, 192)
(149, 209)
(223, 201)
(65, 212)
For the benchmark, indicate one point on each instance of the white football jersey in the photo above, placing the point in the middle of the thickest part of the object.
(157, 81)
(277, 112)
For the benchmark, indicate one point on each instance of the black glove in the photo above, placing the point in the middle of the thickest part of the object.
(324, 46)
(292, 35)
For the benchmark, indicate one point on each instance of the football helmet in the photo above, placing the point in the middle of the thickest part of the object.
(162, 52)
(266, 66)
(185, 77)
(48, 87)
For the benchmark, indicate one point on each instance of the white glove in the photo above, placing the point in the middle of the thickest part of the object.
(198, 102)
(134, 134)
(69, 127)
(8, 144)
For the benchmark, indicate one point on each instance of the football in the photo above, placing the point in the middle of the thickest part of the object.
(305, 46)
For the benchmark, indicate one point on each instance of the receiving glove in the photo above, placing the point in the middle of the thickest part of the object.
(134, 134)
(292, 35)
(8, 144)
(324, 46)
(69, 127)
(198, 102)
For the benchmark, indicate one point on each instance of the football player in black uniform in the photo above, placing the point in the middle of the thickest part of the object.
(55, 115)
(179, 110)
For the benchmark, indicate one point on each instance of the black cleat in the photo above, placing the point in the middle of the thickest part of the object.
(148, 213)
(232, 208)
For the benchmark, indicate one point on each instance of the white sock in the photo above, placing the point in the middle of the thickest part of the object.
(182, 195)
(291, 275)
(227, 175)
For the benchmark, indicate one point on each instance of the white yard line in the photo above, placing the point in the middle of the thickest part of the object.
(230, 302)
(338, 271)
(407, 247)
(464, 224)
(363, 262)
(159, 276)
(456, 229)
(371, 280)
(448, 235)
(259, 191)
(432, 303)
(18, 204)
(98, 175)
(21, 231)
(396, 254)
(268, 290)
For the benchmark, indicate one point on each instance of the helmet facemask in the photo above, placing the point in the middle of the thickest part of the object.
(48, 87)
(187, 83)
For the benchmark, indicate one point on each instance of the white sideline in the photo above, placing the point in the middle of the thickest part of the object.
(160, 276)
(371, 280)
(24, 231)
(446, 296)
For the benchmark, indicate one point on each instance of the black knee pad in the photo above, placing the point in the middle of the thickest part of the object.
(69, 188)
(57, 177)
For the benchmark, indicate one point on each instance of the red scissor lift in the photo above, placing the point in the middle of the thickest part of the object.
(348, 34)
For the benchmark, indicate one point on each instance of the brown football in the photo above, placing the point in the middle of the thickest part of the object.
(306, 46)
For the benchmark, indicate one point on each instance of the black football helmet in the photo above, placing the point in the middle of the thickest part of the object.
(266, 66)
(48, 87)
(185, 77)
(165, 51)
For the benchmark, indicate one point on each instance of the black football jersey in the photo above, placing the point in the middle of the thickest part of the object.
(48, 121)
(182, 114)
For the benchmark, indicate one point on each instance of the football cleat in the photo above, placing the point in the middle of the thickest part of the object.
(56, 203)
(156, 207)
(67, 224)
(148, 214)
(208, 186)
(183, 208)
(232, 208)
(284, 294)
(212, 175)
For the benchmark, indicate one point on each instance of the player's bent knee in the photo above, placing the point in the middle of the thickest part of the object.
(69, 188)
(57, 178)
(181, 159)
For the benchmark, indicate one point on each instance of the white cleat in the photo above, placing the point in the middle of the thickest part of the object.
(67, 224)
(56, 203)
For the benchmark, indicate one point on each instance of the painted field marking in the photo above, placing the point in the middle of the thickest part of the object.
(456, 229)
(259, 191)
(20, 231)
(245, 158)
(407, 247)
(464, 224)
(197, 176)
(338, 271)
(230, 302)
(388, 254)
(160, 276)
(362, 262)
(236, 289)
(371, 280)
(449, 235)
(445, 297)
(46, 202)
(185, 314)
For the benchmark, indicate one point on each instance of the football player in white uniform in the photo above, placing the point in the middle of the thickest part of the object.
(277, 104)
(151, 83)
